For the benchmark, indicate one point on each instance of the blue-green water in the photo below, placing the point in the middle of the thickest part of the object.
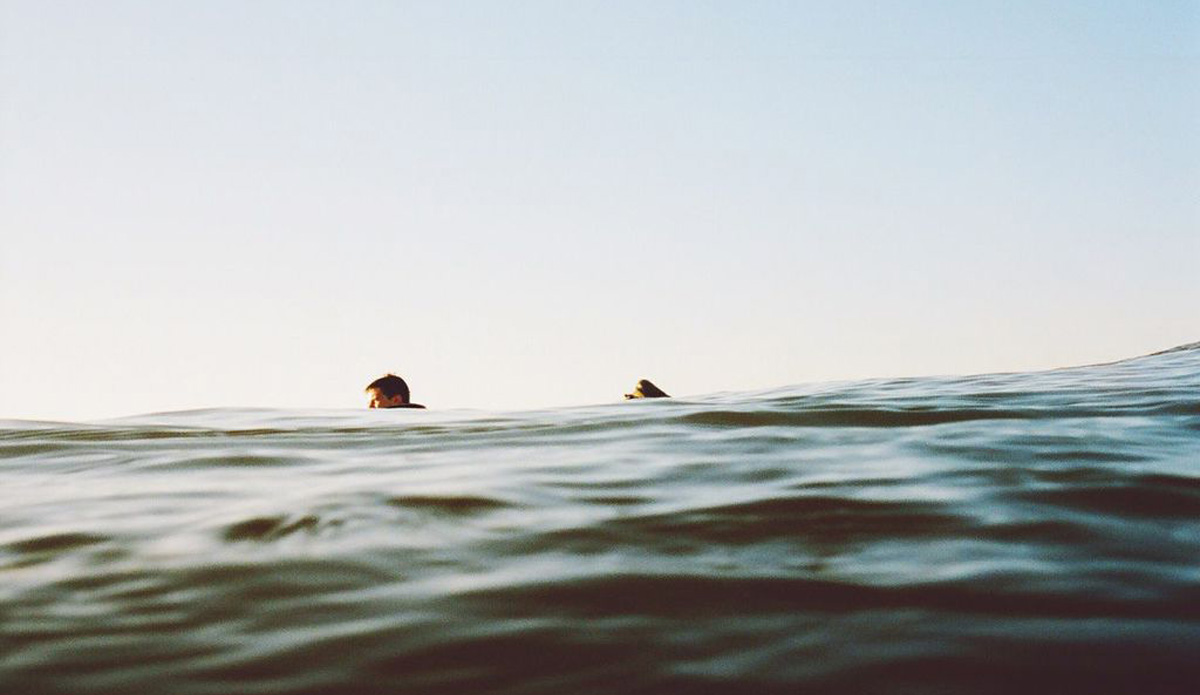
(1018, 533)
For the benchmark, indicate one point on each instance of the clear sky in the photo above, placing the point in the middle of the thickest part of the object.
(526, 204)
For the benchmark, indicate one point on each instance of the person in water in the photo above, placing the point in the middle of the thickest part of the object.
(390, 391)
(645, 389)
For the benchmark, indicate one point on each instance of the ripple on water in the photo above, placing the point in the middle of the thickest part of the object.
(448, 505)
(1135, 498)
(270, 528)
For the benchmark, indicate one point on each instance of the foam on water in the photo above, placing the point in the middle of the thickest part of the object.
(1002, 533)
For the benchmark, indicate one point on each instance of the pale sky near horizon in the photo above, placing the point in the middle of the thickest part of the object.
(534, 204)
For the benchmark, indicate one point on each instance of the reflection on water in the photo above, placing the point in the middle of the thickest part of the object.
(1005, 533)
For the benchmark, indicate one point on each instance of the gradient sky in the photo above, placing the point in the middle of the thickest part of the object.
(527, 204)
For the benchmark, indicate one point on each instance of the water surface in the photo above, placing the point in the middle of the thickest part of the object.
(994, 534)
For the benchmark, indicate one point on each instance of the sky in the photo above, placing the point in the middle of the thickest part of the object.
(533, 204)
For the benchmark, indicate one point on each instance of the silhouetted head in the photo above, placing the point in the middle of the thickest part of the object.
(388, 391)
(645, 389)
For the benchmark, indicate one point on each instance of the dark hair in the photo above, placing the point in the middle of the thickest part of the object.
(390, 386)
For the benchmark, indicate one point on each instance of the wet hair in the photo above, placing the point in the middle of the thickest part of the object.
(646, 389)
(390, 386)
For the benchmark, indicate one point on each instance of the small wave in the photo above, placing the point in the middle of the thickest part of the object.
(616, 500)
(236, 460)
(816, 519)
(447, 505)
(1150, 501)
(1188, 347)
(1058, 533)
(269, 528)
(818, 522)
(695, 596)
(853, 417)
(56, 543)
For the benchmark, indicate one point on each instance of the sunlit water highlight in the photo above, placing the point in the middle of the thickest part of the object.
(995, 534)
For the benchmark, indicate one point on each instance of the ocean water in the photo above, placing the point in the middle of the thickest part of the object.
(1013, 533)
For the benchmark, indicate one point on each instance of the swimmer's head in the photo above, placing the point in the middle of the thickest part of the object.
(645, 389)
(387, 391)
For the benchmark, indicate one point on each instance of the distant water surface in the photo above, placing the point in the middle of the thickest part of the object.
(1014, 533)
